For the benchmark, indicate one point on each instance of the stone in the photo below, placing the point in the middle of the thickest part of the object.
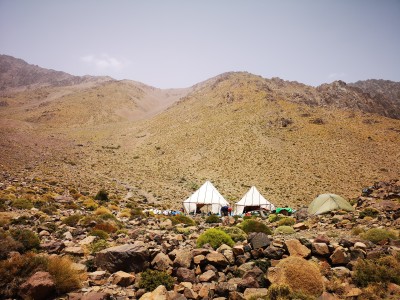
(235, 295)
(88, 240)
(186, 275)
(204, 291)
(320, 249)
(183, 258)
(189, 294)
(97, 275)
(354, 292)
(96, 296)
(225, 288)
(300, 226)
(254, 293)
(129, 258)
(160, 293)
(359, 245)
(295, 248)
(208, 276)
(238, 250)
(328, 296)
(68, 236)
(273, 252)
(339, 256)
(199, 259)
(39, 286)
(217, 259)
(122, 278)
(161, 262)
(259, 240)
(52, 247)
(44, 233)
(78, 251)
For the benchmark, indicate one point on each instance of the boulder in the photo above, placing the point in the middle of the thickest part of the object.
(259, 240)
(208, 276)
(39, 286)
(217, 259)
(122, 278)
(273, 252)
(183, 258)
(96, 296)
(298, 273)
(339, 256)
(161, 262)
(295, 248)
(320, 249)
(186, 275)
(129, 258)
(160, 293)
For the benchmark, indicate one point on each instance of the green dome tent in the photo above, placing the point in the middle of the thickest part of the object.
(327, 202)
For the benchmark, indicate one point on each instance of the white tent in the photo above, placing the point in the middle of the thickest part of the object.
(253, 200)
(206, 197)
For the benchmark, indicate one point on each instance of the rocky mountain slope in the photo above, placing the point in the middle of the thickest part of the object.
(290, 140)
(16, 73)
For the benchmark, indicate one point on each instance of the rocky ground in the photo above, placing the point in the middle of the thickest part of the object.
(100, 248)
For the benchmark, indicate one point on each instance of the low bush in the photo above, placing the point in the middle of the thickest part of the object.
(72, 220)
(182, 219)
(98, 246)
(102, 211)
(66, 278)
(377, 235)
(90, 204)
(284, 230)
(357, 230)
(136, 212)
(8, 244)
(151, 279)
(279, 291)
(287, 221)
(369, 212)
(274, 218)
(27, 238)
(99, 233)
(254, 226)
(382, 270)
(101, 195)
(213, 219)
(215, 237)
(22, 204)
(235, 233)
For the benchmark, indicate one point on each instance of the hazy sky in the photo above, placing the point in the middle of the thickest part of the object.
(177, 43)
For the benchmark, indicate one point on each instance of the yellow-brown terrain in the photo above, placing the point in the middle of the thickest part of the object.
(236, 130)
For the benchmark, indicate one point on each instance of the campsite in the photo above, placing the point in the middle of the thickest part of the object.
(115, 250)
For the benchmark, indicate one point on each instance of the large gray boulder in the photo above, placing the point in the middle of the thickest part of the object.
(129, 258)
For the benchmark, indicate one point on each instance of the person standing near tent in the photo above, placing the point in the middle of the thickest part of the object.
(230, 211)
(224, 210)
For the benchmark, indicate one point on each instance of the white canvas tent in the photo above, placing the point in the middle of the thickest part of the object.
(206, 197)
(253, 200)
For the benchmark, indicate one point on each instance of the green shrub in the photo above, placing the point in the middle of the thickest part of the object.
(377, 235)
(213, 219)
(235, 233)
(151, 279)
(98, 246)
(215, 237)
(182, 219)
(382, 270)
(27, 238)
(287, 221)
(99, 233)
(274, 217)
(284, 230)
(136, 212)
(72, 220)
(369, 212)
(101, 195)
(22, 204)
(254, 226)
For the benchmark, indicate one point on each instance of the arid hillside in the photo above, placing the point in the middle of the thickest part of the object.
(290, 140)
